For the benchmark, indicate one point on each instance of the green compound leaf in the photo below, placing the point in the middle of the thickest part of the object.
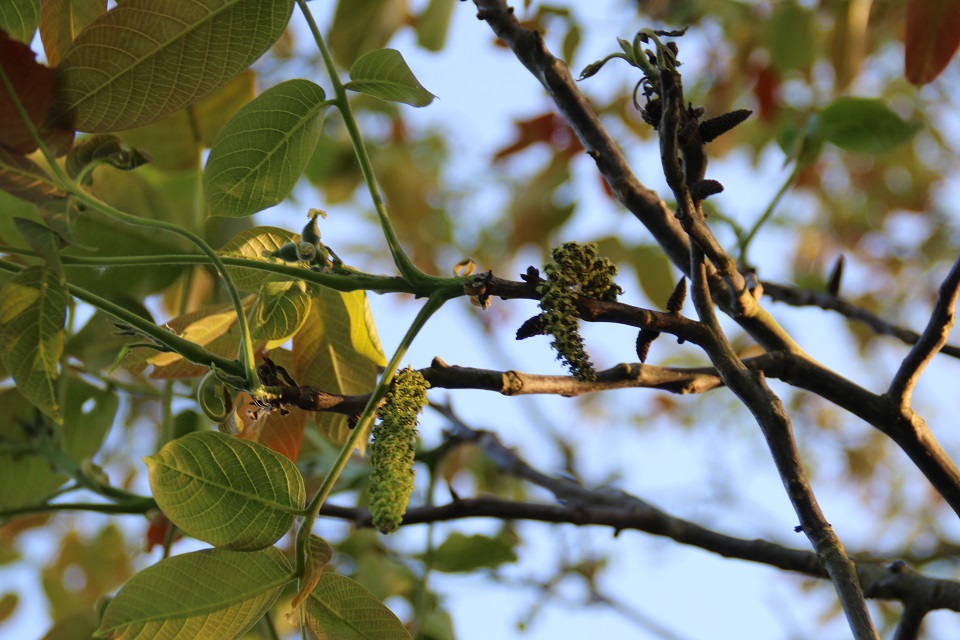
(33, 309)
(384, 74)
(204, 594)
(340, 609)
(145, 59)
(229, 492)
(255, 244)
(281, 311)
(259, 155)
(863, 125)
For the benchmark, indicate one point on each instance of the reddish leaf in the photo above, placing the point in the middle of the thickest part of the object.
(157, 532)
(549, 128)
(33, 84)
(933, 35)
(766, 90)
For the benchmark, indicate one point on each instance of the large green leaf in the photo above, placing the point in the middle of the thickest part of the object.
(255, 244)
(145, 59)
(385, 74)
(19, 18)
(863, 125)
(33, 309)
(340, 609)
(205, 594)
(259, 155)
(229, 492)
(338, 350)
(281, 310)
(62, 20)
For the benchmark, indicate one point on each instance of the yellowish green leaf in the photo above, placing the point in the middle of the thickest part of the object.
(340, 609)
(33, 309)
(205, 594)
(259, 155)
(232, 493)
(145, 59)
(384, 74)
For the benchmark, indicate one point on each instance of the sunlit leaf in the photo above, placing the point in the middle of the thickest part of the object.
(863, 125)
(215, 594)
(33, 309)
(229, 492)
(19, 18)
(384, 74)
(281, 310)
(338, 350)
(259, 155)
(931, 39)
(282, 432)
(340, 609)
(199, 327)
(255, 244)
(62, 20)
(145, 59)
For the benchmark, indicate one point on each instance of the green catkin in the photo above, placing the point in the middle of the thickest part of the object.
(392, 449)
(576, 270)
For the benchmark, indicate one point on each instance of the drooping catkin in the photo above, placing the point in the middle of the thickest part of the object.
(392, 449)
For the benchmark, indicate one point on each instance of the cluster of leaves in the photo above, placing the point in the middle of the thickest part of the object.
(577, 270)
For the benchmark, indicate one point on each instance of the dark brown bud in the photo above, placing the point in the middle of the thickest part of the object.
(713, 128)
(675, 302)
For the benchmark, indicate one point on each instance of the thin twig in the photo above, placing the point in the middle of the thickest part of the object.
(934, 337)
(825, 300)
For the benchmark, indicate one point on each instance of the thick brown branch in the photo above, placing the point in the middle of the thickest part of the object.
(933, 338)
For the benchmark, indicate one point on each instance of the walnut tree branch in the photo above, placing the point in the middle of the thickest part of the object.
(930, 342)
(829, 302)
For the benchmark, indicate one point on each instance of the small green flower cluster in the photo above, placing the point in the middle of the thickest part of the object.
(309, 249)
(392, 449)
(576, 270)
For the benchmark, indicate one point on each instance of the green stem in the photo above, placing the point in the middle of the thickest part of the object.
(360, 430)
(356, 281)
(189, 350)
(745, 241)
(141, 506)
(245, 355)
(406, 267)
